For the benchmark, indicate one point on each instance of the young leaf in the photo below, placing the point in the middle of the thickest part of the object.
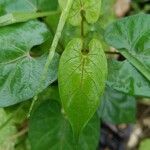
(81, 79)
(91, 9)
(123, 77)
(49, 129)
(20, 72)
(117, 107)
(131, 37)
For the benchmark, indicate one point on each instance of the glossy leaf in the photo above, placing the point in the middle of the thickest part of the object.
(123, 77)
(131, 36)
(117, 107)
(81, 79)
(91, 10)
(19, 71)
(49, 129)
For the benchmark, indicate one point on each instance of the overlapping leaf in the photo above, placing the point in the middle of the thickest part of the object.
(117, 107)
(91, 9)
(131, 36)
(10, 6)
(81, 79)
(123, 77)
(49, 129)
(19, 71)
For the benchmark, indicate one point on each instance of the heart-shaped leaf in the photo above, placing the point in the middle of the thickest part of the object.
(131, 36)
(82, 76)
(19, 71)
(49, 129)
(91, 9)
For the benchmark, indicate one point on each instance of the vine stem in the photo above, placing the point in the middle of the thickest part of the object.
(62, 21)
(82, 24)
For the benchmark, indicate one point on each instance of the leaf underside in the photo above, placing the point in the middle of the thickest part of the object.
(81, 81)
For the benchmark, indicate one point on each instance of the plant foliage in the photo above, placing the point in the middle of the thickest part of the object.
(68, 94)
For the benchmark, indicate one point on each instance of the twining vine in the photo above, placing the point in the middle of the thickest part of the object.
(62, 21)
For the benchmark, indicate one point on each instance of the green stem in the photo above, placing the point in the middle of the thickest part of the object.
(22, 17)
(57, 36)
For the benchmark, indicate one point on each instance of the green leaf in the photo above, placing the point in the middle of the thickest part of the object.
(123, 77)
(145, 144)
(81, 79)
(107, 13)
(49, 129)
(11, 6)
(6, 132)
(50, 92)
(19, 71)
(12, 18)
(91, 10)
(23, 10)
(46, 5)
(18, 113)
(23, 145)
(117, 107)
(131, 36)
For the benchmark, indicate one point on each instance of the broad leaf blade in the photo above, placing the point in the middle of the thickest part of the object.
(131, 36)
(91, 10)
(123, 77)
(81, 81)
(117, 107)
(19, 71)
(49, 129)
